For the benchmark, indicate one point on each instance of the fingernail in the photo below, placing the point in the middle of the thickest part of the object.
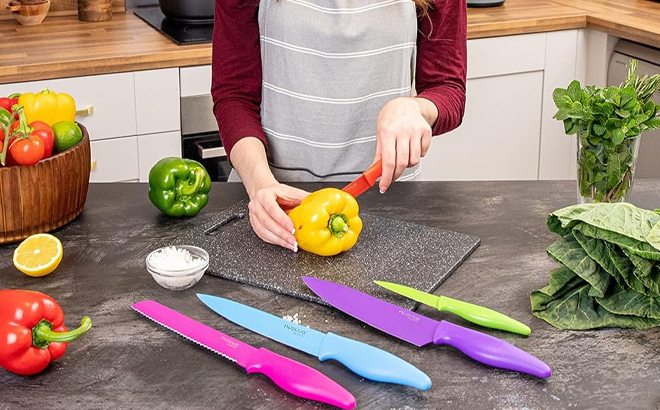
(294, 247)
(382, 190)
(293, 231)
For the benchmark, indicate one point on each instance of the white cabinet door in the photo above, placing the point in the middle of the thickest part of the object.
(157, 102)
(195, 80)
(152, 148)
(111, 96)
(499, 138)
(115, 160)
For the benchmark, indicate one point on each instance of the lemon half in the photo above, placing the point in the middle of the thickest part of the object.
(38, 255)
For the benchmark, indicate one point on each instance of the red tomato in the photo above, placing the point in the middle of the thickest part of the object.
(6, 103)
(27, 151)
(44, 131)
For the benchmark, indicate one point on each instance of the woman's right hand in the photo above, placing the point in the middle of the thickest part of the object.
(267, 217)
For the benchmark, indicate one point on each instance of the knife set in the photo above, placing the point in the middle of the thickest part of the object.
(362, 359)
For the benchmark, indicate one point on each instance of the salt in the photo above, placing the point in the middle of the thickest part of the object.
(172, 258)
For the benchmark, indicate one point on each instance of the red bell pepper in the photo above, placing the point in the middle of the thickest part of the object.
(32, 333)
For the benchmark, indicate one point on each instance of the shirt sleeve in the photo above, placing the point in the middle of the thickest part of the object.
(236, 72)
(441, 65)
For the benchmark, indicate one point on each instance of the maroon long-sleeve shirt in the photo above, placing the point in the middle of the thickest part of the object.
(236, 74)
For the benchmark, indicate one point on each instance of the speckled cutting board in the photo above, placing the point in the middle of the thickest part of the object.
(387, 249)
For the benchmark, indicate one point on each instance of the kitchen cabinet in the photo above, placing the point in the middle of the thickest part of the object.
(151, 148)
(109, 99)
(508, 132)
(115, 160)
(499, 137)
(131, 118)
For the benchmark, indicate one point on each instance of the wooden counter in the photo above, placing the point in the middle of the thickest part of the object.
(66, 47)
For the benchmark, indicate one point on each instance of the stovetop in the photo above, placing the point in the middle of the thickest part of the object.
(178, 31)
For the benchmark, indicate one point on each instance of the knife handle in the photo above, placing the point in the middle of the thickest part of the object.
(298, 379)
(489, 350)
(371, 362)
(482, 316)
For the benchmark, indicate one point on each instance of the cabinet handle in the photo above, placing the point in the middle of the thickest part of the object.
(85, 112)
(93, 165)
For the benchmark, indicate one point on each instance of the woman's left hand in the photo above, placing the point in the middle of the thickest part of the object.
(403, 135)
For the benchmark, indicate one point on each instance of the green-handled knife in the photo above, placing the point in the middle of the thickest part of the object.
(473, 313)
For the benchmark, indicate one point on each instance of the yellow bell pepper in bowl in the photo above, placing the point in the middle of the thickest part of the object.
(327, 222)
(48, 106)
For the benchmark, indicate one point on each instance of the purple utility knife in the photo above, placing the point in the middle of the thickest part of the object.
(420, 330)
(288, 374)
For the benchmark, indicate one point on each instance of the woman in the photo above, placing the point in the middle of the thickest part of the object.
(309, 90)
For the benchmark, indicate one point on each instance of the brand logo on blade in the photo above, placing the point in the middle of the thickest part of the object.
(231, 343)
(296, 331)
(409, 315)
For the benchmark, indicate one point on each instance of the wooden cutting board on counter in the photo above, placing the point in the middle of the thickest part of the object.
(388, 250)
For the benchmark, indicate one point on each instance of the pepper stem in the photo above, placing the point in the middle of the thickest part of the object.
(338, 225)
(191, 189)
(43, 334)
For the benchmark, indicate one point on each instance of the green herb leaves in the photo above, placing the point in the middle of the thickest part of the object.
(609, 272)
(608, 122)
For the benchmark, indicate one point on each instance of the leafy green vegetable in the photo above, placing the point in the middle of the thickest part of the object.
(609, 273)
(608, 122)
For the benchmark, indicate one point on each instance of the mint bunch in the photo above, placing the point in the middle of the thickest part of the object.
(608, 122)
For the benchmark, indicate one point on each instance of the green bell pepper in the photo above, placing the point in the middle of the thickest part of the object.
(179, 187)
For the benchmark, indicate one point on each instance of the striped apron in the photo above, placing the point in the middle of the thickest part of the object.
(329, 66)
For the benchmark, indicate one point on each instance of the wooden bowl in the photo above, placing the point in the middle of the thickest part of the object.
(44, 196)
(29, 12)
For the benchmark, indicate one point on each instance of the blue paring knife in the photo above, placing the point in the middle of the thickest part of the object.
(367, 361)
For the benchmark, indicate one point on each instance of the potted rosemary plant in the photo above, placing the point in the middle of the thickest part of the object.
(608, 123)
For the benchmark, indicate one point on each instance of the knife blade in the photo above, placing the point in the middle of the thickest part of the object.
(365, 360)
(288, 374)
(366, 180)
(468, 311)
(420, 330)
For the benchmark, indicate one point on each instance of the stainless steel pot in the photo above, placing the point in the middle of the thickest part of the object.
(188, 10)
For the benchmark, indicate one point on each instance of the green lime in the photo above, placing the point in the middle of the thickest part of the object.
(67, 134)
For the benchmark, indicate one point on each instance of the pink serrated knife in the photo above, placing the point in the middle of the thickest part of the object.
(288, 374)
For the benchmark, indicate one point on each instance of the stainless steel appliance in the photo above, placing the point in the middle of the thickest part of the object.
(648, 165)
(200, 139)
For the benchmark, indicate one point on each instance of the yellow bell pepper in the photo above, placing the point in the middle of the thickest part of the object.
(48, 106)
(327, 222)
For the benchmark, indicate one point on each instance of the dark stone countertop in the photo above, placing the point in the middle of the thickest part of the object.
(128, 362)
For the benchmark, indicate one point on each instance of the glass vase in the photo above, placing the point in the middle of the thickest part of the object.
(605, 171)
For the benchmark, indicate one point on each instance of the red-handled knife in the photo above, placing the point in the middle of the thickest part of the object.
(366, 180)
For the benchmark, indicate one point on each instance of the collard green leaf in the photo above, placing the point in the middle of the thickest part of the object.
(576, 310)
(621, 218)
(629, 302)
(600, 242)
(597, 250)
(653, 238)
(559, 278)
(625, 267)
(568, 251)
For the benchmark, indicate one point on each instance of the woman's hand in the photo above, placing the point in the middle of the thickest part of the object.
(267, 196)
(267, 218)
(403, 131)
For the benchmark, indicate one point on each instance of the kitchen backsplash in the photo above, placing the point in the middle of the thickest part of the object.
(61, 8)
